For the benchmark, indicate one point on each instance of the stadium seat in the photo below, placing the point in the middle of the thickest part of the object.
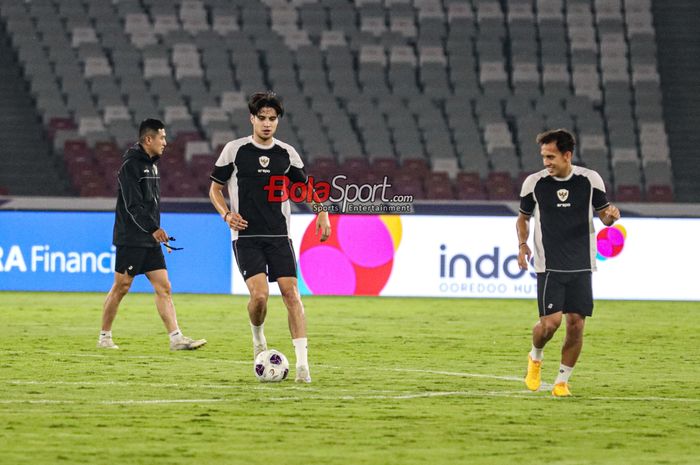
(499, 186)
(628, 193)
(441, 73)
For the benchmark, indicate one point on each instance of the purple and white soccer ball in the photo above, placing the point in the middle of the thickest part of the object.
(271, 366)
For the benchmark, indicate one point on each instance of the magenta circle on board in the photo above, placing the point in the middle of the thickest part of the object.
(610, 242)
(605, 248)
(615, 237)
(365, 240)
(327, 270)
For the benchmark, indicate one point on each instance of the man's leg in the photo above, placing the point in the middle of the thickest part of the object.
(295, 309)
(570, 351)
(542, 332)
(166, 309)
(164, 298)
(573, 342)
(297, 326)
(120, 287)
(257, 310)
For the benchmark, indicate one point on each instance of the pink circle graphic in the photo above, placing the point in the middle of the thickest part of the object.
(610, 242)
(326, 270)
(365, 240)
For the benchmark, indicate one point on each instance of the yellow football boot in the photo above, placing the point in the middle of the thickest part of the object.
(533, 379)
(561, 390)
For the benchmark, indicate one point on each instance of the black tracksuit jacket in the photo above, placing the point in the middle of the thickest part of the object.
(138, 200)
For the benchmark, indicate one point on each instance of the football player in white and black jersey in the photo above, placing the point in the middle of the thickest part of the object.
(562, 199)
(260, 225)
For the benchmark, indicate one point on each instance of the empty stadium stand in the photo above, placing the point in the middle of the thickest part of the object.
(678, 40)
(27, 165)
(446, 96)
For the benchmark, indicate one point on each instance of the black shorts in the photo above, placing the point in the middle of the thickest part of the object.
(565, 292)
(273, 256)
(139, 260)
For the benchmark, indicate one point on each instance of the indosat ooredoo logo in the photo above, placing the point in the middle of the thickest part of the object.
(356, 260)
(610, 242)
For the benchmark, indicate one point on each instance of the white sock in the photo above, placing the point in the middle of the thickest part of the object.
(537, 354)
(258, 334)
(105, 334)
(175, 334)
(301, 351)
(564, 373)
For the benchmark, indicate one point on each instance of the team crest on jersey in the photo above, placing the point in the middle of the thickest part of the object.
(563, 194)
(264, 161)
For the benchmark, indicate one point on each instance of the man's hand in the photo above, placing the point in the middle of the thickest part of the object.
(610, 215)
(235, 221)
(323, 224)
(524, 254)
(160, 235)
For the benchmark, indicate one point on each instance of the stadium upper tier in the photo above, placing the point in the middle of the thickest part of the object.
(445, 96)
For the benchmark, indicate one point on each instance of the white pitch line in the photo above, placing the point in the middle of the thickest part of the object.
(462, 375)
(544, 386)
(22, 382)
(371, 395)
(160, 401)
(526, 394)
(150, 357)
(405, 396)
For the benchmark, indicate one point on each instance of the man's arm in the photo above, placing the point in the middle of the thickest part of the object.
(522, 227)
(234, 220)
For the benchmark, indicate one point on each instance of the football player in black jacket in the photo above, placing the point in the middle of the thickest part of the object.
(138, 236)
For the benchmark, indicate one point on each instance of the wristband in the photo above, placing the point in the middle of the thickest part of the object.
(522, 244)
(226, 215)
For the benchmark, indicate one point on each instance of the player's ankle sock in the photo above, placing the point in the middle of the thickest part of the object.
(301, 351)
(258, 334)
(105, 334)
(175, 334)
(537, 354)
(564, 373)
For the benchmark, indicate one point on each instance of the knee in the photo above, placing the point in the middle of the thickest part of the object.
(290, 294)
(550, 327)
(164, 290)
(258, 300)
(122, 287)
(575, 327)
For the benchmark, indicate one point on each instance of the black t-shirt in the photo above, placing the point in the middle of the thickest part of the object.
(564, 238)
(246, 167)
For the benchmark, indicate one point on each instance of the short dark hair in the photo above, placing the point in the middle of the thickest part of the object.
(564, 139)
(150, 125)
(260, 100)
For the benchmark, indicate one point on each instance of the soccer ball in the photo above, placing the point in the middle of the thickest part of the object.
(271, 366)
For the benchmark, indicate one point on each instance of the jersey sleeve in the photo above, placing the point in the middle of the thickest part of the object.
(527, 195)
(599, 197)
(295, 172)
(223, 168)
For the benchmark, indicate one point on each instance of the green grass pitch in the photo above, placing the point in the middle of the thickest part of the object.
(395, 381)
